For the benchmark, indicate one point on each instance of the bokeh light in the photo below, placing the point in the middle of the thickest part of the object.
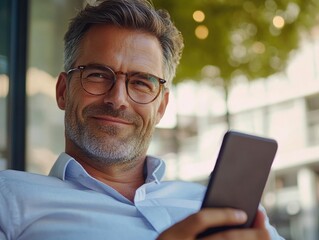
(278, 22)
(201, 32)
(199, 16)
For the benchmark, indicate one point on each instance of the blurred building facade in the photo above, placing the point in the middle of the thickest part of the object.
(284, 107)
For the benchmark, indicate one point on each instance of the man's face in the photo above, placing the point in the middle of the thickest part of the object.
(111, 128)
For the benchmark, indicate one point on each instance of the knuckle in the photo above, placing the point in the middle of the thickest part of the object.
(227, 235)
(263, 234)
(200, 218)
(229, 215)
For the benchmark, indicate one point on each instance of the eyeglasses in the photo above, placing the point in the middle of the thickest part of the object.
(141, 87)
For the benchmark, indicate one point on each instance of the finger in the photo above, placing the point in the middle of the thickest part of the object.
(259, 220)
(216, 217)
(236, 234)
(198, 222)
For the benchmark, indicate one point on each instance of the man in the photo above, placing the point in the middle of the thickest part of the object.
(120, 59)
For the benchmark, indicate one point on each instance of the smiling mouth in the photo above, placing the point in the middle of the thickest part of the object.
(111, 120)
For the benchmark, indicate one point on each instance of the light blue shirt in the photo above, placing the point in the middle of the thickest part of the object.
(69, 204)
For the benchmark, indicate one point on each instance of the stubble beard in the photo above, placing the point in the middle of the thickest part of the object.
(108, 147)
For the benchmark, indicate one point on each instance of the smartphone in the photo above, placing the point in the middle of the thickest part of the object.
(239, 176)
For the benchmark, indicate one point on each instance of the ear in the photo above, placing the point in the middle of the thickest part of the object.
(162, 107)
(61, 90)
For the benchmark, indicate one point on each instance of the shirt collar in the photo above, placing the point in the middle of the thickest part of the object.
(59, 167)
(155, 168)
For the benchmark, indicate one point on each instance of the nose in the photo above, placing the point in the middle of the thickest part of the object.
(117, 95)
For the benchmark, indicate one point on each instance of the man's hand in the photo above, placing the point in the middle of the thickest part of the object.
(191, 226)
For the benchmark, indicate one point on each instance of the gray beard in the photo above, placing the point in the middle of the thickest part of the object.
(106, 150)
(111, 149)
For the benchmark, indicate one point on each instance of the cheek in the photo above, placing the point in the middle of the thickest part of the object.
(75, 102)
(149, 116)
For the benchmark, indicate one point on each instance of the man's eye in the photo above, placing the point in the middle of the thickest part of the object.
(142, 85)
(139, 83)
(97, 76)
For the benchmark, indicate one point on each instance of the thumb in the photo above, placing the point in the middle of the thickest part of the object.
(259, 220)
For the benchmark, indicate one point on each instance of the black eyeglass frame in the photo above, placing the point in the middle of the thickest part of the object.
(81, 68)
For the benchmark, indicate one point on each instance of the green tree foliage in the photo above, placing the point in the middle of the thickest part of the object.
(242, 35)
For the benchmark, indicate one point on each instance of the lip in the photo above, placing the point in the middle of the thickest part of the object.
(112, 120)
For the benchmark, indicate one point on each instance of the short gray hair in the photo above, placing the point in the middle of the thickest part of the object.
(131, 14)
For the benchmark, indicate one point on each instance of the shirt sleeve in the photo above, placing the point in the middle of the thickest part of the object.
(274, 235)
(2, 235)
(6, 212)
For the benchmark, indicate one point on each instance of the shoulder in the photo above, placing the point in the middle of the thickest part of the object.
(12, 175)
(16, 176)
(19, 180)
(21, 189)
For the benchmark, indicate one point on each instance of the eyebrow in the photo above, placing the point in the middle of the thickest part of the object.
(96, 64)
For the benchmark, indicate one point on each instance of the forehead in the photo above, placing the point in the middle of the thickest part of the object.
(121, 48)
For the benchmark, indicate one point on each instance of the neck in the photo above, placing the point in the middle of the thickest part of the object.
(124, 178)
